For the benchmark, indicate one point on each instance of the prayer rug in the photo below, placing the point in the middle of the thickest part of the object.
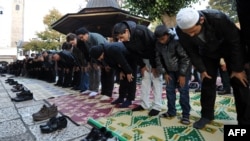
(80, 107)
(138, 126)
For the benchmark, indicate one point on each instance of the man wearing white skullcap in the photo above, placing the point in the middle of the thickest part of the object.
(187, 17)
(207, 36)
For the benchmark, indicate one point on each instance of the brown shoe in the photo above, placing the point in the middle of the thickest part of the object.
(45, 113)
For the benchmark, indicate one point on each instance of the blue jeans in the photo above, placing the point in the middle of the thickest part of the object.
(184, 95)
(84, 84)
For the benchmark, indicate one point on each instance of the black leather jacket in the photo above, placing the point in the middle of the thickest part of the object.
(172, 57)
(142, 42)
(222, 41)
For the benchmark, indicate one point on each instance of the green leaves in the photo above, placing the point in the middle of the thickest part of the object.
(49, 39)
(226, 6)
(154, 9)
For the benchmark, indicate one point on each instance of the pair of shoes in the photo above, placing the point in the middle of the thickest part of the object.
(17, 89)
(13, 83)
(9, 80)
(167, 115)
(224, 92)
(118, 101)
(201, 123)
(138, 108)
(99, 135)
(18, 86)
(85, 92)
(23, 96)
(153, 112)
(45, 113)
(125, 104)
(185, 121)
(23, 92)
(93, 93)
(104, 98)
(55, 123)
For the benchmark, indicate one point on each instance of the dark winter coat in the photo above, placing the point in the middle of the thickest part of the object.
(117, 56)
(142, 42)
(222, 40)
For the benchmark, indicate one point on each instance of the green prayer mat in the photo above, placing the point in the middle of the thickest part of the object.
(138, 126)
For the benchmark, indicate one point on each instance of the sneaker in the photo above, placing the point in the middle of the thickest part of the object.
(104, 97)
(45, 113)
(125, 104)
(86, 92)
(93, 94)
(138, 108)
(201, 123)
(153, 112)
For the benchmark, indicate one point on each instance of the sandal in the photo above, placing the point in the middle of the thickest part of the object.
(185, 121)
(166, 115)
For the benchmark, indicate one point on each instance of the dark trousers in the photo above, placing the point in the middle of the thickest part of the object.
(76, 79)
(127, 89)
(184, 94)
(107, 81)
(67, 78)
(225, 79)
(208, 93)
(243, 11)
(60, 74)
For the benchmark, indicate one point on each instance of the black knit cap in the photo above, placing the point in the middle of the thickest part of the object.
(96, 51)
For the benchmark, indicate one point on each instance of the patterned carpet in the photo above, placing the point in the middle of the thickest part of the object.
(80, 107)
(137, 126)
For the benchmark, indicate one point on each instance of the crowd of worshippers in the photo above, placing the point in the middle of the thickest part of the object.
(200, 39)
(39, 66)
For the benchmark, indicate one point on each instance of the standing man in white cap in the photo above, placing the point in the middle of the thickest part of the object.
(207, 36)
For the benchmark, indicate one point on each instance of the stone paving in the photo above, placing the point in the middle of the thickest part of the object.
(16, 122)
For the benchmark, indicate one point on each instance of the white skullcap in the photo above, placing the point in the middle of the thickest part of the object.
(187, 18)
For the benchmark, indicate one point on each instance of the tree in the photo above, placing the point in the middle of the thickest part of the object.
(226, 6)
(49, 39)
(157, 9)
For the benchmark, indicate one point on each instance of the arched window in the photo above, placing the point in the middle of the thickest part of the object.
(17, 7)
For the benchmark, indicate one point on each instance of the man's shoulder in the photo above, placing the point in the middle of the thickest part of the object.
(94, 34)
(213, 14)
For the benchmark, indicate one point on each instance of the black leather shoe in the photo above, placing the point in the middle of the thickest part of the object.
(138, 108)
(224, 92)
(22, 93)
(51, 120)
(54, 124)
(18, 86)
(13, 83)
(18, 89)
(96, 135)
(23, 98)
(118, 101)
(9, 80)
